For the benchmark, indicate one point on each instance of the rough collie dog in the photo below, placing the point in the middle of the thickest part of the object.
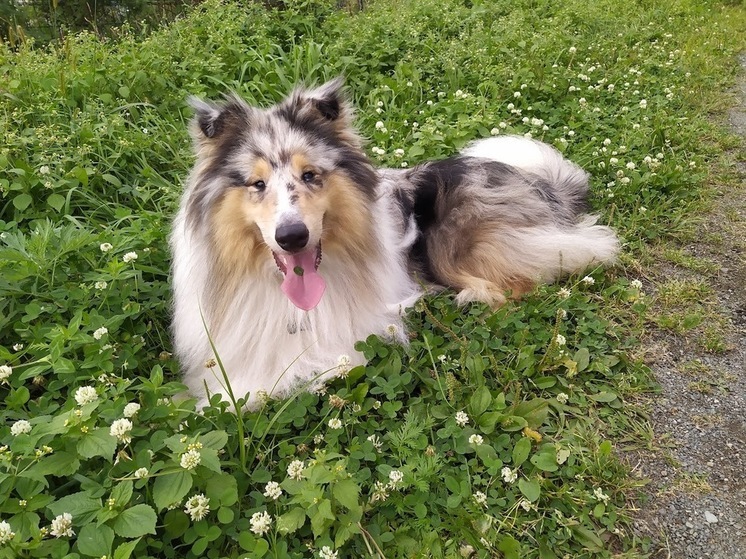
(290, 246)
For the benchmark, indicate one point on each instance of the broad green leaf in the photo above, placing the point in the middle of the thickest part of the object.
(122, 493)
(510, 547)
(521, 451)
(57, 201)
(98, 442)
(214, 439)
(322, 517)
(582, 358)
(95, 541)
(135, 522)
(222, 490)
(530, 489)
(171, 488)
(124, 551)
(291, 521)
(546, 459)
(22, 201)
(480, 401)
(80, 505)
(347, 493)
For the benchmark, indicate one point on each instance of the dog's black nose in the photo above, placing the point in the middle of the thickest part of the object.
(292, 237)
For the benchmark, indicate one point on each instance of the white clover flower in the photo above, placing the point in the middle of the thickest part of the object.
(607, 142)
(260, 522)
(17, 347)
(273, 490)
(395, 478)
(572, 50)
(318, 439)
(197, 507)
(510, 106)
(517, 94)
(480, 498)
(631, 166)
(563, 293)
(100, 333)
(105, 247)
(380, 125)
(335, 423)
(398, 152)
(5, 372)
(466, 550)
(525, 505)
(129, 257)
(327, 553)
(503, 124)
(636, 283)
(376, 442)
(62, 525)
(476, 440)
(85, 395)
(295, 469)
(588, 280)
(131, 409)
(343, 365)
(495, 131)
(6, 534)
(380, 492)
(100, 285)
(600, 495)
(20, 427)
(121, 430)
(562, 398)
(461, 418)
(509, 475)
(559, 339)
(392, 330)
(141, 473)
(561, 314)
(44, 170)
(190, 459)
(643, 104)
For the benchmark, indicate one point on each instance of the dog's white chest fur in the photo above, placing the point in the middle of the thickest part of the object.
(267, 344)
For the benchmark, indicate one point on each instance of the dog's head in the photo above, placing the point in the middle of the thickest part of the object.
(280, 183)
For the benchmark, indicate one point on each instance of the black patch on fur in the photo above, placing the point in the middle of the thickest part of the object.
(294, 198)
(432, 181)
(547, 193)
(360, 171)
(329, 107)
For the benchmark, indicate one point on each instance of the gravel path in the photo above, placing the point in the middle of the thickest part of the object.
(696, 500)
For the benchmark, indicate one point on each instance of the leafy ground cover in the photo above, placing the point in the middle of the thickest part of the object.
(490, 435)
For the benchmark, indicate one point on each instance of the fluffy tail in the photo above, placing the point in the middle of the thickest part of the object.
(568, 179)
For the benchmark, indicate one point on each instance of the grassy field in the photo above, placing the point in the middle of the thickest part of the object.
(490, 435)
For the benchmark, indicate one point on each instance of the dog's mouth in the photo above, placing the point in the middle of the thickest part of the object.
(302, 283)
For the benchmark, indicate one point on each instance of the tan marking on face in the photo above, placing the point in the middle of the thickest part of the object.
(261, 171)
(239, 248)
(300, 164)
(347, 219)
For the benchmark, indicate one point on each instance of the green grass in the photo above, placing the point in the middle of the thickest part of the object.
(92, 161)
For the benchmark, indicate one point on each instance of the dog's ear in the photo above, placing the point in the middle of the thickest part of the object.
(329, 105)
(211, 120)
(329, 99)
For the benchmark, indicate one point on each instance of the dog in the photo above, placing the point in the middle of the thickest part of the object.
(289, 245)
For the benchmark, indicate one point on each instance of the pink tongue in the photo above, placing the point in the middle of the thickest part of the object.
(302, 284)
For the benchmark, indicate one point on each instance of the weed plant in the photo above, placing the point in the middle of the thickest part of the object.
(489, 435)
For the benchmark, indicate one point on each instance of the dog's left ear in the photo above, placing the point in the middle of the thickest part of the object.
(329, 104)
(329, 99)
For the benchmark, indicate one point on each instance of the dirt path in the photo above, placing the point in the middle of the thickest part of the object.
(697, 497)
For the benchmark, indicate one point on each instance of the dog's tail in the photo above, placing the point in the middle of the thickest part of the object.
(568, 179)
(552, 250)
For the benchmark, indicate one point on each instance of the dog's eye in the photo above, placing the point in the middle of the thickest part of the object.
(259, 185)
(308, 176)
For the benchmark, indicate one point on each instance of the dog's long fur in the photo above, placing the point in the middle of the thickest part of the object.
(491, 222)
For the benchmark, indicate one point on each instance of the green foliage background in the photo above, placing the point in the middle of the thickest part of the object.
(95, 151)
